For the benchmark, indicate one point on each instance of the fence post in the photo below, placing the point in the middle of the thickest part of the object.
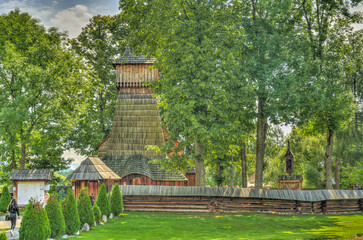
(298, 207)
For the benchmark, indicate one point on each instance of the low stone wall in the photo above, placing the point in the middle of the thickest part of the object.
(207, 199)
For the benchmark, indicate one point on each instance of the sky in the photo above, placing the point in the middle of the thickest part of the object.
(71, 16)
(67, 15)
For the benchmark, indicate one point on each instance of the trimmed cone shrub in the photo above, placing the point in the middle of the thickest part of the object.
(55, 216)
(70, 213)
(35, 224)
(5, 199)
(3, 236)
(85, 210)
(117, 205)
(97, 213)
(102, 201)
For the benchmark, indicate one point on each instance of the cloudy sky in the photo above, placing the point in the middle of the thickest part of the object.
(67, 15)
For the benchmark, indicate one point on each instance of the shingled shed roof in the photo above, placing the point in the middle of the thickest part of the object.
(93, 169)
(128, 58)
(31, 174)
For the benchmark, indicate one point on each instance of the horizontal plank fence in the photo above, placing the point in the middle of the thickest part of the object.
(208, 199)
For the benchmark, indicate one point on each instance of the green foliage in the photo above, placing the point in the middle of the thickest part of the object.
(43, 87)
(70, 213)
(85, 211)
(350, 176)
(5, 199)
(117, 205)
(99, 43)
(3, 236)
(102, 201)
(55, 216)
(35, 223)
(52, 190)
(62, 195)
(97, 213)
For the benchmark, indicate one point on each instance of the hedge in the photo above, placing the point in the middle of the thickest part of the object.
(3, 236)
(117, 205)
(85, 210)
(97, 213)
(35, 224)
(102, 201)
(5, 199)
(55, 216)
(70, 213)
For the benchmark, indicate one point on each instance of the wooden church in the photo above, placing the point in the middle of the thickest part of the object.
(137, 124)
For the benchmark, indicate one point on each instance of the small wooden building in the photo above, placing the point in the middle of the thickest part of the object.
(91, 174)
(30, 183)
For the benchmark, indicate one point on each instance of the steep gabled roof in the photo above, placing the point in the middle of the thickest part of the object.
(31, 174)
(93, 169)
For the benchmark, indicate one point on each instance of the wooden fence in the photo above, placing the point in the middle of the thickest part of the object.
(208, 199)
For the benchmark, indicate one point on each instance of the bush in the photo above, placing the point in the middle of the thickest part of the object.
(85, 208)
(5, 199)
(3, 236)
(102, 201)
(117, 205)
(55, 216)
(35, 224)
(97, 213)
(70, 213)
(52, 189)
(62, 195)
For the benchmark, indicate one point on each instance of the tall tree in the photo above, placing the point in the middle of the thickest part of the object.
(326, 25)
(188, 39)
(99, 43)
(267, 54)
(42, 86)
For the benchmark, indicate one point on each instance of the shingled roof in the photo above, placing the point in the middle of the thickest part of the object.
(128, 58)
(31, 174)
(93, 169)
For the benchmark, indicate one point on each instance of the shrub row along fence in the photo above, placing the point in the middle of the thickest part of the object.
(209, 199)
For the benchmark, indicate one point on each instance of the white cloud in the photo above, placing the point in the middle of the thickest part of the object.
(72, 19)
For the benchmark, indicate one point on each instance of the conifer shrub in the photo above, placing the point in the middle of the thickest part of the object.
(102, 201)
(55, 216)
(70, 213)
(117, 205)
(97, 213)
(5, 199)
(35, 223)
(52, 189)
(3, 236)
(85, 210)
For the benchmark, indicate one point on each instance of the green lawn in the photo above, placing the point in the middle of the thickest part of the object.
(136, 225)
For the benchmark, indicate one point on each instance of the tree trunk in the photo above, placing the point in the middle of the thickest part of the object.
(232, 184)
(199, 164)
(337, 165)
(244, 165)
(260, 144)
(329, 159)
(102, 118)
(219, 174)
(23, 150)
(13, 162)
(357, 141)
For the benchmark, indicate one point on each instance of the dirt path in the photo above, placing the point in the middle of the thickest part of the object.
(5, 226)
